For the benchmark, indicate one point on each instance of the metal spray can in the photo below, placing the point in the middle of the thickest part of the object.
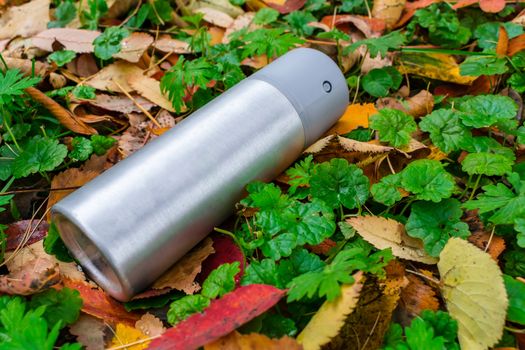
(130, 224)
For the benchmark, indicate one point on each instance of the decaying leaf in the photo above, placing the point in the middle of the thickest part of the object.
(24, 20)
(356, 115)
(149, 88)
(78, 40)
(385, 233)
(388, 10)
(216, 17)
(220, 318)
(125, 335)
(120, 72)
(492, 244)
(331, 316)
(120, 103)
(243, 21)
(25, 232)
(134, 46)
(418, 105)
(168, 44)
(473, 288)
(150, 325)
(364, 147)
(417, 296)
(89, 331)
(226, 251)
(26, 65)
(252, 341)
(285, 6)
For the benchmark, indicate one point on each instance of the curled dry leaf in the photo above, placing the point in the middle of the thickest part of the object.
(89, 332)
(490, 6)
(385, 233)
(331, 316)
(57, 80)
(252, 341)
(134, 46)
(418, 105)
(120, 72)
(78, 40)
(473, 289)
(125, 335)
(149, 88)
(356, 115)
(25, 232)
(24, 20)
(150, 325)
(363, 147)
(388, 11)
(167, 44)
(222, 317)
(417, 296)
(215, 17)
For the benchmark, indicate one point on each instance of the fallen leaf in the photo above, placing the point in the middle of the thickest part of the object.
(322, 248)
(285, 6)
(417, 296)
(24, 20)
(25, 232)
(492, 244)
(97, 303)
(419, 4)
(83, 66)
(516, 44)
(225, 251)
(356, 115)
(57, 81)
(221, 5)
(26, 65)
(215, 17)
(125, 335)
(134, 46)
(252, 341)
(89, 332)
(490, 6)
(167, 44)
(149, 88)
(388, 11)
(150, 325)
(243, 21)
(503, 42)
(473, 289)
(78, 40)
(363, 147)
(217, 35)
(220, 318)
(117, 8)
(385, 233)
(418, 105)
(182, 275)
(120, 103)
(120, 72)
(331, 316)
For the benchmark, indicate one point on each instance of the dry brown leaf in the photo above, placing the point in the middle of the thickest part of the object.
(418, 105)
(492, 244)
(133, 47)
(25, 20)
(252, 341)
(120, 72)
(363, 147)
(182, 275)
(89, 331)
(385, 233)
(149, 88)
(57, 80)
(216, 17)
(319, 145)
(26, 66)
(388, 11)
(150, 325)
(417, 296)
(117, 8)
(167, 44)
(78, 40)
(83, 66)
(120, 103)
(243, 21)
(217, 35)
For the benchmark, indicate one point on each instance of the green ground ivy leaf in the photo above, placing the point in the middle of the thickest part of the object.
(263, 272)
(40, 154)
(377, 82)
(445, 129)
(312, 222)
(394, 126)
(517, 82)
(109, 43)
(279, 246)
(386, 191)
(516, 294)
(301, 261)
(300, 174)
(428, 180)
(507, 204)
(488, 33)
(519, 227)
(84, 92)
(421, 336)
(61, 57)
(339, 183)
(220, 281)
(266, 15)
(101, 144)
(483, 65)
(185, 307)
(61, 305)
(484, 163)
(380, 45)
(53, 245)
(298, 21)
(486, 110)
(435, 223)
(488, 145)
(64, 13)
(277, 326)
(82, 149)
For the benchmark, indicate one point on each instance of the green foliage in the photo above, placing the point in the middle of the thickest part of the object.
(516, 294)
(185, 307)
(386, 191)
(61, 306)
(53, 245)
(300, 174)
(519, 227)
(377, 82)
(39, 155)
(62, 57)
(394, 126)
(90, 17)
(435, 223)
(486, 110)
(488, 33)
(517, 82)
(160, 11)
(64, 14)
(380, 45)
(220, 281)
(446, 130)
(101, 144)
(265, 16)
(84, 92)
(109, 43)
(427, 180)
(270, 42)
(351, 5)
(483, 65)
(13, 83)
(298, 21)
(485, 163)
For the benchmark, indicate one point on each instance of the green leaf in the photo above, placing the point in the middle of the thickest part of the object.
(520, 135)
(61, 305)
(109, 43)
(82, 149)
(270, 42)
(53, 245)
(488, 33)
(428, 180)
(96, 9)
(138, 20)
(386, 191)
(516, 294)
(397, 78)
(160, 11)
(185, 307)
(484, 163)
(64, 14)
(41, 154)
(351, 5)
(421, 336)
(445, 129)
(435, 223)
(380, 45)
(101, 144)
(483, 65)
(486, 110)
(84, 92)
(377, 82)
(507, 204)
(488, 145)
(220, 281)
(311, 223)
(517, 82)
(334, 34)
(298, 21)
(300, 174)
(263, 272)
(519, 226)
(277, 326)
(61, 57)
(444, 325)
(13, 83)
(279, 246)
(339, 183)
(394, 126)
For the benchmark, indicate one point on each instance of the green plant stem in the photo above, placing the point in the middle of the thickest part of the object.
(410, 201)
(12, 135)
(232, 236)
(7, 185)
(475, 187)
(444, 51)
(466, 187)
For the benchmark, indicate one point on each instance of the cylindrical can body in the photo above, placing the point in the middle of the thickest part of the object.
(130, 224)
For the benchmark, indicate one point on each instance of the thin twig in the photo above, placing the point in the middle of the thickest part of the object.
(139, 106)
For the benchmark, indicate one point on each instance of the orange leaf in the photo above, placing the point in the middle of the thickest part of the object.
(417, 296)
(492, 6)
(356, 115)
(516, 45)
(125, 335)
(252, 341)
(420, 4)
(503, 42)
(285, 6)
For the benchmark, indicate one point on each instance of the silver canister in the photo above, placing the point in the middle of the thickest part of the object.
(130, 224)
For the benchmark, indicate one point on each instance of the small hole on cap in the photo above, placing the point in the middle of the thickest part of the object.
(327, 86)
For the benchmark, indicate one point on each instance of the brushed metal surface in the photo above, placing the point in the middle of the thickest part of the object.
(130, 224)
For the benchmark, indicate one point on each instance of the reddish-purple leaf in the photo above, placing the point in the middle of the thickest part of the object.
(17, 231)
(220, 318)
(226, 251)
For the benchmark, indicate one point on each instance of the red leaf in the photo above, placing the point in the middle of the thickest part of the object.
(222, 317)
(226, 251)
(17, 230)
(287, 7)
(99, 304)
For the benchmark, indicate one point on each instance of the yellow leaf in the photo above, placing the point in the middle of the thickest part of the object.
(356, 115)
(473, 289)
(329, 319)
(385, 233)
(125, 335)
(252, 341)
(435, 66)
(388, 10)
